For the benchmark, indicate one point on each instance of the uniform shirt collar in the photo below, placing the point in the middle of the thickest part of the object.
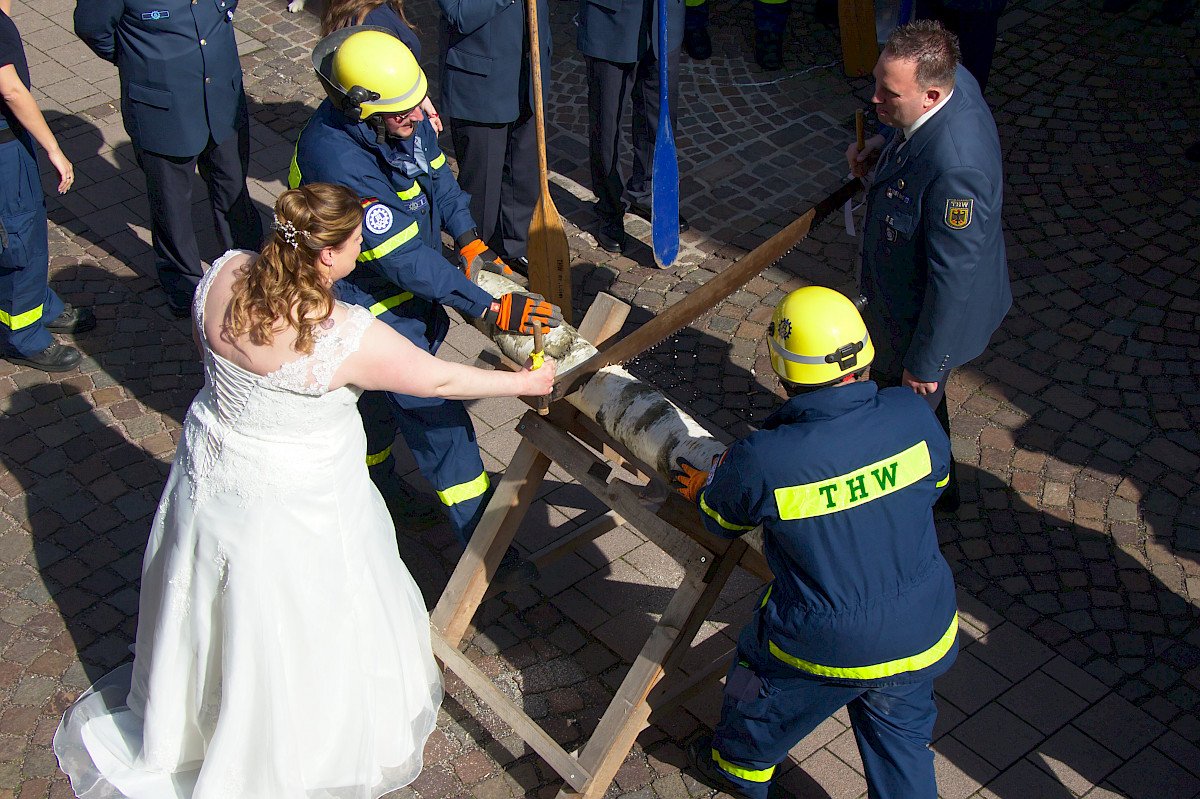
(824, 403)
(921, 120)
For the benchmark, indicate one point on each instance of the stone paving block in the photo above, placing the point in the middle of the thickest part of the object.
(970, 684)
(1011, 652)
(1119, 726)
(1151, 774)
(1076, 761)
(997, 735)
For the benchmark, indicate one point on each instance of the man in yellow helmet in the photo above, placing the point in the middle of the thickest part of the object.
(861, 612)
(371, 135)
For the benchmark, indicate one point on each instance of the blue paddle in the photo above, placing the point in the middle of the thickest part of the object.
(664, 181)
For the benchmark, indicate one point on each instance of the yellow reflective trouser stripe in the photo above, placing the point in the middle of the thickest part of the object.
(753, 775)
(718, 519)
(437, 162)
(379, 457)
(409, 193)
(390, 302)
(766, 596)
(695, 3)
(945, 481)
(848, 490)
(914, 663)
(391, 244)
(22, 319)
(772, 2)
(464, 491)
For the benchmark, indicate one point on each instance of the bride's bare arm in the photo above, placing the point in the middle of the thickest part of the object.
(386, 361)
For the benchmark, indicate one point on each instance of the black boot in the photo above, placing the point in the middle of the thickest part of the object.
(768, 49)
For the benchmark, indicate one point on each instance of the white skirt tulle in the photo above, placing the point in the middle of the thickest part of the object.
(282, 653)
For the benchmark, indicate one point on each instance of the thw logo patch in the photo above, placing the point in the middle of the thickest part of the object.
(958, 213)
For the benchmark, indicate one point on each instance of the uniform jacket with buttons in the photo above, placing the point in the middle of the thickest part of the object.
(622, 31)
(409, 196)
(843, 481)
(181, 81)
(933, 263)
(484, 61)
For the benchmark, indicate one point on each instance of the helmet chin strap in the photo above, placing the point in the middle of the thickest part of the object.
(376, 123)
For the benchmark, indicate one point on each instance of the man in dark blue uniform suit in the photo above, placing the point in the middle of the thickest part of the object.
(620, 41)
(183, 106)
(371, 135)
(486, 92)
(861, 612)
(933, 264)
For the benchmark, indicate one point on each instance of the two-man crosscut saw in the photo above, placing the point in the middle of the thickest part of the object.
(706, 297)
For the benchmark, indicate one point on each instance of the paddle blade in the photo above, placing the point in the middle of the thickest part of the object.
(549, 256)
(664, 189)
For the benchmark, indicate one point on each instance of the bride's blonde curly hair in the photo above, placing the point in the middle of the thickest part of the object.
(284, 286)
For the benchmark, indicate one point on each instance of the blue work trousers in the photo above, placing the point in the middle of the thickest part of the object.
(769, 707)
(26, 301)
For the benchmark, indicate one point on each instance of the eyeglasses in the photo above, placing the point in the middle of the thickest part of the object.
(398, 116)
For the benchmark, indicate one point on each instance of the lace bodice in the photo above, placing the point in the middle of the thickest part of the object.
(240, 419)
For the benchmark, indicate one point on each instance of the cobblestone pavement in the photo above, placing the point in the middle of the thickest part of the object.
(1077, 551)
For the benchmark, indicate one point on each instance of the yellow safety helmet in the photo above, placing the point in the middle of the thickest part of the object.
(817, 337)
(366, 70)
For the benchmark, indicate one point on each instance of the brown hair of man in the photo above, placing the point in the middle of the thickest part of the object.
(934, 49)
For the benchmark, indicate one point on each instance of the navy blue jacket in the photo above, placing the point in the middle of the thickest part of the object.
(622, 31)
(934, 268)
(384, 16)
(484, 62)
(401, 276)
(843, 481)
(181, 81)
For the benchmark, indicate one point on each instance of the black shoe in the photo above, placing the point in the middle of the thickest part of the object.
(611, 240)
(826, 12)
(72, 320)
(55, 358)
(697, 43)
(513, 573)
(1177, 12)
(1116, 6)
(646, 213)
(1192, 153)
(519, 264)
(699, 755)
(768, 49)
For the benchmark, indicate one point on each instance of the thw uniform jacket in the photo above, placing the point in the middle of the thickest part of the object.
(622, 31)
(409, 196)
(843, 480)
(933, 262)
(181, 80)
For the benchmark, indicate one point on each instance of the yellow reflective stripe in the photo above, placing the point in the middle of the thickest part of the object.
(766, 596)
(848, 490)
(409, 193)
(914, 663)
(391, 244)
(380, 457)
(749, 774)
(695, 3)
(294, 168)
(22, 319)
(437, 162)
(717, 517)
(389, 303)
(464, 491)
(945, 481)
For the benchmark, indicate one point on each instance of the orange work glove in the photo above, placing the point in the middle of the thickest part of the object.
(478, 257)
(691, 480)
(517, 311)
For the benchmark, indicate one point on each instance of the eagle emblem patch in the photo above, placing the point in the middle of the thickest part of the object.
(958, 213)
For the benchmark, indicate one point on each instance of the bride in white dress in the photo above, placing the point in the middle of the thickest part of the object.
(282, 648)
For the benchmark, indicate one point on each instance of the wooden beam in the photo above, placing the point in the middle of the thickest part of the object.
(566, 765)
(604, 319)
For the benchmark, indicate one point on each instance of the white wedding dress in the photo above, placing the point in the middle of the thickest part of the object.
(282, 647)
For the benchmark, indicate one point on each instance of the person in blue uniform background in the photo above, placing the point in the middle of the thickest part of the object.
(620, 43)
(371, 135)
(183, 106)
(933, 261)
(487, 93)
(861, 612)
(29, 309)
(975, 23)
